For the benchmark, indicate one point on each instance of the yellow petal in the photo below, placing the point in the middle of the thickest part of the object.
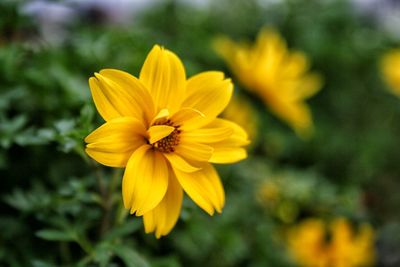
(145, 180)
(297, 115)
(129, 182)
(239, 136)
(296, 65)
(164, 76)
(177, 162)
(162, 115)
(119, 126)
(300, 88)
(203, 187)
(163, 218)
(241, 111)
(194, 151)
(117, 160)
(171, 204)
(207, 134)
(224, 155)
(102, 103)
(209, 93)
(140, 97)
(154, 185)
(149, 221)
(230, 149)
(227, 50)
(158, 132)
(188, 119)
(117, 93)
(238, 131)
(114, 142)
(390, 68)
(310, 85)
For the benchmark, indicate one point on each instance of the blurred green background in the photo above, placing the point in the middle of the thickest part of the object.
(60, 208)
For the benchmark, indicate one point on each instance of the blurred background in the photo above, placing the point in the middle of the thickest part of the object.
(328, 199)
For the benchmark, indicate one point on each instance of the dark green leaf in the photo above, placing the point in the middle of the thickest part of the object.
(55, 235)
(129, 256)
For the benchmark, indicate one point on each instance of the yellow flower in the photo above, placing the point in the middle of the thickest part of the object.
(390, 67)
(310, 246)
(269, 193)
(278, 76)
(240, 111)
(163, 128)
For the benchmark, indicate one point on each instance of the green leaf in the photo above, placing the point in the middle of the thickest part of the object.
(28, 201)
(123, 230)
(129, 256)
(65, 126)
(32, 136)
(103, 254)
(55, 235)
(39, 263)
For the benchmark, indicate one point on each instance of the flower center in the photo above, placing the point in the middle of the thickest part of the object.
(167, 144)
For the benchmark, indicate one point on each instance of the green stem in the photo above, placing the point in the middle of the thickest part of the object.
(121, 214)
(84, 244)
(99, 178)
(114, 181)
(108, 201)
(65, 253)
(82, 154)
(121, 211)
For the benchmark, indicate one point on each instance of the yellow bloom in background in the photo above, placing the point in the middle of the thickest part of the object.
(312, 243)
(390, 67)
(278, 76)
(240, 111)
(350, 249)
(269, 193)
(307, 244)
(164, 129)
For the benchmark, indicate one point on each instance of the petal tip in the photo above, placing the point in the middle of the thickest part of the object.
(158, 235)
(87, 139)
(98, 75)
(157, 48)
(92, 82)
(210, 212)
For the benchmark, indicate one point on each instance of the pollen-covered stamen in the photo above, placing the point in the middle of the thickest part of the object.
(168, 143)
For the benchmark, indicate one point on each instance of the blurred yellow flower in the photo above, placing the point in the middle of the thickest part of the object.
(390, 67)
(240, 111)
(272, 197)
(164, 129)
(269, 193)
(278, 76)
(313, 245)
